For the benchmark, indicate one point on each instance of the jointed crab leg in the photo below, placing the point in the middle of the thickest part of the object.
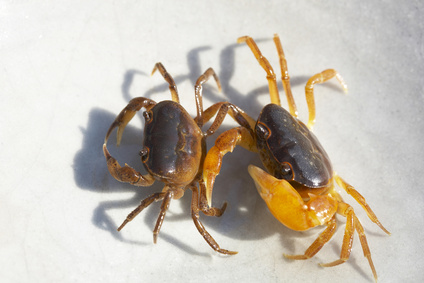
(202, 230)
(169, 79)
(144, 203)
(270, 74)
(198, 93)
(163, 208)
(224, 108)
(322, 239)
(285, 76)
(309, 90)
(360, 199)
(352, 224)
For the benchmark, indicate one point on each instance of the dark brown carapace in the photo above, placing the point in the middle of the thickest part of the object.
(173, 152)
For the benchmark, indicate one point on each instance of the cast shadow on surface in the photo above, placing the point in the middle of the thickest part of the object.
(245, 206)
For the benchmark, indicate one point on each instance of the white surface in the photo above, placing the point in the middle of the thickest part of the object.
(68, 69)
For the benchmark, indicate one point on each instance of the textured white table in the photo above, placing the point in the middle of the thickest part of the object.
(68, 69)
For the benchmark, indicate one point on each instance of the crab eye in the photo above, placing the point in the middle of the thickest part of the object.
(286, 169)
(262, 131)
(144, 153)
(147, 116)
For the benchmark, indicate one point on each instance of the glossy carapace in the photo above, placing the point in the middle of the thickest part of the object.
(299, 185)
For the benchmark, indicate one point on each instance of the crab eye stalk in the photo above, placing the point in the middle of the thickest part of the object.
(144, 153)
(262, 131)
(286, 169)
(147, 116)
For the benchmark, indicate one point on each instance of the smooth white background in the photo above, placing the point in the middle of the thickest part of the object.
(68, 68)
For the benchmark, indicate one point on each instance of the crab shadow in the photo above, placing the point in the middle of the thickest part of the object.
(234, 185)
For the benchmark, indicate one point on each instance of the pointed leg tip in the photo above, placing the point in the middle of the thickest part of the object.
(224, 207)
(153, 71)
(311, 124)
(106, 151)
(384, 229)
(242, 39)
(227, 252)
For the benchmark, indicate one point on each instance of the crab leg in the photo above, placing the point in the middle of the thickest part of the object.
(169, 79)
(270, 75)
(225, 143)
(221, 109)
(198, 93)
(285, 76)
(309, 90)
(317, 245)
(144, 203)
(352, 224)
(163, 208)
(361, 200)
(202, 230)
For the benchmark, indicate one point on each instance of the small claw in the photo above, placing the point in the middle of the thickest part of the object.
(209, 185)
(124, 120)
(211, 168)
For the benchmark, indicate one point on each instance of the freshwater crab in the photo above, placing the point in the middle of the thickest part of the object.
(174, 149)
(299, 188)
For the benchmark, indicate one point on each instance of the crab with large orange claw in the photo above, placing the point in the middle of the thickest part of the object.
(299, 185)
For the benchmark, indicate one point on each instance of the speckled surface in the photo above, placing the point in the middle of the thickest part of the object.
(68, 69)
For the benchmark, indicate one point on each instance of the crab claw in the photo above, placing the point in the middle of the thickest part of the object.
(286, 204)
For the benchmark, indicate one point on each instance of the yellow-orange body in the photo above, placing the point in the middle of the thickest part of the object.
(299, 185)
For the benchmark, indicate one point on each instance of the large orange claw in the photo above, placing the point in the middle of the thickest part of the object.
(286, 204)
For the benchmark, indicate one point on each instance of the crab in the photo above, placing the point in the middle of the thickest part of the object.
(173, 152)
(298, 186)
